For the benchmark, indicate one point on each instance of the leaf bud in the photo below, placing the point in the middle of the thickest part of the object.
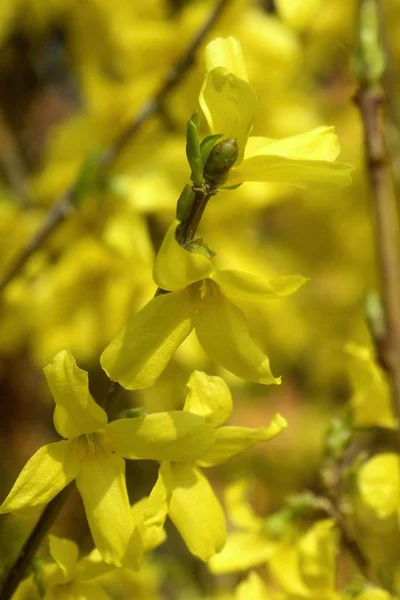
(219, 162)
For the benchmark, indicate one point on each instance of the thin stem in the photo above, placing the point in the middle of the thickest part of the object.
(12, 163)
(66, 204)
(33, 542)
(369, 100)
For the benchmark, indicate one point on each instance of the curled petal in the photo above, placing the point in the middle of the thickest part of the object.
(223, 333)
(143, 348)
(241, 285)
(65, 553)
(175, 267)
(196, 512)
(242, 551)
(231, 441)
(209, 397)
(76, 412)
(227, 99)
(101, 483)
(45, 474)
(164, 436)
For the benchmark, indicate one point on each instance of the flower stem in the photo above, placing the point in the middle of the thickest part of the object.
(66, 204)
(369, 99)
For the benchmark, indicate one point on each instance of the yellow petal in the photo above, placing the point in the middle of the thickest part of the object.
(227, 100)
(238, 507)
(45, 474)
(285, 569)
(174, 435)
(242, 551)
(175, 267)
(153, 510)
(317, 552)
(65, 553)
(247, 286)
(209, 397)
(233, 440)
(374, 594)
(76, 412)
(143, 348)
(101, 483)
(82, 591)
(252, 588)
(304, 160)
(379, 484)
(223, 333)
(371, 401)
(196, 512)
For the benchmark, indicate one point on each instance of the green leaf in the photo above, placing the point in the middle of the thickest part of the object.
(193, 149)
(207, 145)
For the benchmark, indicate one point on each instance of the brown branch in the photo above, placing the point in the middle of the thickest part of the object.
(64, 206)
(369, 99)
(12, 162)
(33, 542)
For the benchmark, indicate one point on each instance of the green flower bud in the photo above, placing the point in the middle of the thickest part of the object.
(193, 152)
(220, 160)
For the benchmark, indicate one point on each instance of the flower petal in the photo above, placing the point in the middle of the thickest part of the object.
(379, 484)
(76, 412)
(174, 435)
(84, 591)
(45, 474)
(242, 551)
(313, 174)
(175, 267)
(240, 511)
(234, 440)
(153, 510)
(209, 397)
(196, 512)
(227, 99)
(143, 348)
(247, 286)
(65, 553)
(101, 483)
(223, 333)
(252, 587)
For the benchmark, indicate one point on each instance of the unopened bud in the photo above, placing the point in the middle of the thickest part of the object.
(220, 160)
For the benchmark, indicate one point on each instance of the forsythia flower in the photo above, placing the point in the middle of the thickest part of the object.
(379, 484)
(252, 588)
(200, 298)
(182, 491)
(229, 105)
(371, 399)
(93, 454)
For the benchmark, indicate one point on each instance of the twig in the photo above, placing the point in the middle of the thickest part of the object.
(66, 204)
(30, 547)
(12, 163)
(369, 100)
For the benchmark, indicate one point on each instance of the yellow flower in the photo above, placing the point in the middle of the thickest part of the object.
(182, 491)
(93, 454)
(252, 588)
(229, 104)
(371, 399)
(202, 299)
(379, 484)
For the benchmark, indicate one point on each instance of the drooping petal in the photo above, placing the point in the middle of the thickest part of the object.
(76, 412)
(65, 552)
(101, 483)
(174, 435)
(318, 550)
(143, 348)
(252, 587)
(234, 440)
(240, 511)
(379, 484)
(209, 397)
(247, 286)
(45, 474)
(227, 99)
(175, 267)
(153, 510)
(196, 512)
(223, 333)
(242, 551)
